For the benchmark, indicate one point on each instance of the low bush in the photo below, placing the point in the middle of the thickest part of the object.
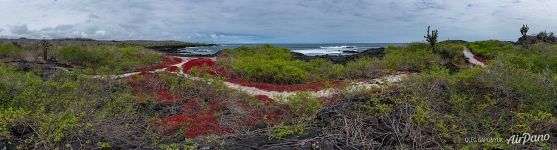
(9, 50)
(303, 110)
(78, 55)
(271, 64)
(415, 56)
(324, 70)
(452, 52)
(537, 57)
(267, 64)
(490, 48)
(365, 67)
(107, 59)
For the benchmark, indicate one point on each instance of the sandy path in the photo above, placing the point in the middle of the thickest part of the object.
(375, 83)
(470, 56)
(380, 82)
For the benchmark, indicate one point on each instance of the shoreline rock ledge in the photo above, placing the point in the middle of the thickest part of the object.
(342, 59)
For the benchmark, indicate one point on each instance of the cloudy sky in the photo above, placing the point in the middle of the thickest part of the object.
(275, 21)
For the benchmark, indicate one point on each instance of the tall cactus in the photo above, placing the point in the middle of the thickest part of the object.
(524, 32)
(431, 38)
(45, 45)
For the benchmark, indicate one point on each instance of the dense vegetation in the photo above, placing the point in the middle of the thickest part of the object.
(275, 65)
(443, 102)
(107, 59)
(489, 49)
(88, 58)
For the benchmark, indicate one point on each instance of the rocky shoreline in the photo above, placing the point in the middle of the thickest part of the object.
(342, 59)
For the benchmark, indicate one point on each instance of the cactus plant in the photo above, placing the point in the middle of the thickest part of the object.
(525, 39)
(431, 38)
(45, 45)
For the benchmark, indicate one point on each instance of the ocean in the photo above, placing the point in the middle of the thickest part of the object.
(313, 49)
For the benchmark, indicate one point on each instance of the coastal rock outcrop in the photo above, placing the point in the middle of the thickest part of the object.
(342, 59)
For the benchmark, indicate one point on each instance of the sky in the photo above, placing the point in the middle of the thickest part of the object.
(275, 21)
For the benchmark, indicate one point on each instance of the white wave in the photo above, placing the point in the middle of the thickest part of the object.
(313, 52)
(338, 47)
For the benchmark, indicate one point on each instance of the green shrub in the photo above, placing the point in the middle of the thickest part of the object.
(489, 48)
(268, 64)
(416, 56)
(282, 131)
(10, 117)
(77, 55)
(537, 57)
(304, 104)
(304, 108)
(452, 52)
(322, 70)
(365, 67)
(9, 50)
(376, 106)
(108, 59)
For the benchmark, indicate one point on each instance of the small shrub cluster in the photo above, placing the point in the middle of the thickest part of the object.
(452, 52)
(107, 59)
(489, 49)
(414, 57)
(267, 64)
(366, 68)
(10, 50)
(303, 109)
(536, 58)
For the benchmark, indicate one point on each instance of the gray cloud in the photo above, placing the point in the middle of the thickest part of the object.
(225, 21)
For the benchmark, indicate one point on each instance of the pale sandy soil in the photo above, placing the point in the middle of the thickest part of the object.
(468, 54)
(375, 83)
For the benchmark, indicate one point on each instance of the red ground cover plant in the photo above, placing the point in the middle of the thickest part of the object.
(166, 97)
(207, 65)
(480, 59)
(196, 124)
(198, 119)
(174, 122)
(172, 69)
(169, 60)
(199, 115)
(268, 114)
